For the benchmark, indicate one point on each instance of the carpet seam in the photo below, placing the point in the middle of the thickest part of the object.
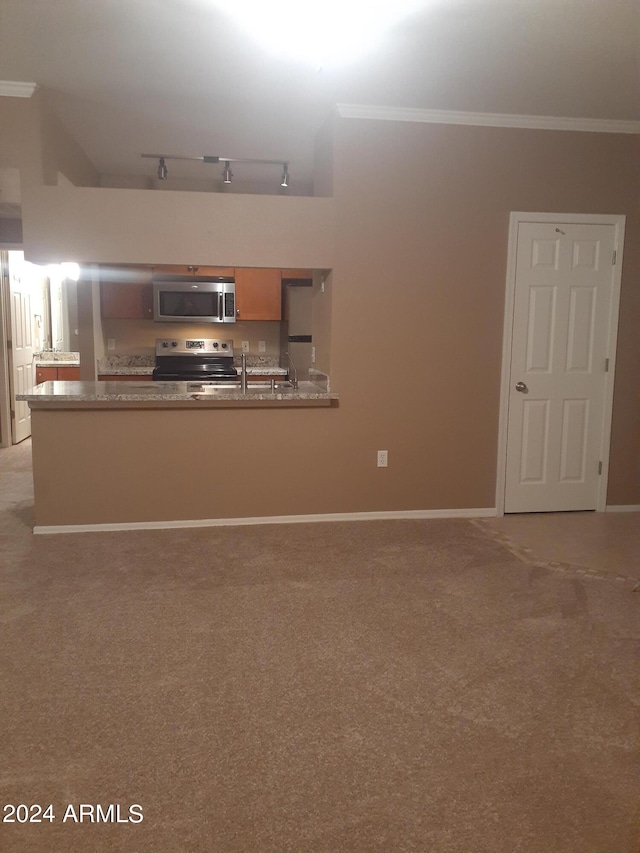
(527, 556)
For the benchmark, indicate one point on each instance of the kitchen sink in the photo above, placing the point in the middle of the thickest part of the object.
(213, 387)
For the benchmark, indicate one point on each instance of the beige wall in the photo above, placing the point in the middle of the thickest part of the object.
(422, 214)
(140, 226)
(21, 138)
(35, 141)
(62, 154)
(415, 310)
(11, 233)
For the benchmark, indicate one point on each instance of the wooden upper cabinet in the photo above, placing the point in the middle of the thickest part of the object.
(258, 294)
(126, 300)
(193, 269)
(297, 274)
(226, 271)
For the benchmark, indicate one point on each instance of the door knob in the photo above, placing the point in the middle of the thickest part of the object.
(520, 386)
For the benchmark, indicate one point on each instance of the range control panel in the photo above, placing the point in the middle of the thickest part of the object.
(194, 346)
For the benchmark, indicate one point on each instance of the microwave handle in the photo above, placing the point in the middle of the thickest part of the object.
(220, 305)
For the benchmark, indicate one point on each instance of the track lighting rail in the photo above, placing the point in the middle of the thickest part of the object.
(227, 174)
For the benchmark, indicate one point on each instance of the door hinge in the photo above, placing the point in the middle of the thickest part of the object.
(12, 413)
(599, 468)
(606, 365)
(9, 344)
(614, 258)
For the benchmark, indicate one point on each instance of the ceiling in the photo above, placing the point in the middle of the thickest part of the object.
(177, 76)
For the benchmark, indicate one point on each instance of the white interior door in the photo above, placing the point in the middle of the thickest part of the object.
(563, 303)
(21, 370)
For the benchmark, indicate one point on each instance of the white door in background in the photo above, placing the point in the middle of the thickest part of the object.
(21, 369)
(563, 303)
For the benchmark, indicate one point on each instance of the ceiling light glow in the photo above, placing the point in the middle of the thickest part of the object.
(331, 33)
(70, 270)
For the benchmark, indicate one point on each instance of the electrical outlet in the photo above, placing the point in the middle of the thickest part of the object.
(383, 459)
(262, 346)
(245, 346)
(111, 343)
(313, 355)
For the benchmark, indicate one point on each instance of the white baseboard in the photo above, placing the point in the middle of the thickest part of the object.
(482, 512)
(623, 508)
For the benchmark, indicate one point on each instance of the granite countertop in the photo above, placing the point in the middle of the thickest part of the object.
(126, 365)
(56, 359)
(147, 371)
(165, 394)
(108, 370)
(59, 362)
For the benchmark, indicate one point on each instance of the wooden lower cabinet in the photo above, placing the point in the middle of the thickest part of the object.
(46, 374)
(53, 374)
(69, 374)
(258, 294)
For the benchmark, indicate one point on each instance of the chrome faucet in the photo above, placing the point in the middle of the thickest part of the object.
(293, 373)
(243, 374)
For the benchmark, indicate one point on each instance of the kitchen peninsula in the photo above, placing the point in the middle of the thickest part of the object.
(112, 395)
(161, 454)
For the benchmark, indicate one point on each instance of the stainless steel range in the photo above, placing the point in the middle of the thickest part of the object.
(194, 359)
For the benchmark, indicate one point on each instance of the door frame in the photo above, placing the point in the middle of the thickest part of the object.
(515, 220)
(5, 330)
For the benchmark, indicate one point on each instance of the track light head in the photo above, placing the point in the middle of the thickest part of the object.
(162, 170)
(284, 180)
(227, 174)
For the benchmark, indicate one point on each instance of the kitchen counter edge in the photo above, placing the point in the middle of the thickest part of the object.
(85, 395)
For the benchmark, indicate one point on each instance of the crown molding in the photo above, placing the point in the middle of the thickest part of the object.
(14, 89)
(590, 125)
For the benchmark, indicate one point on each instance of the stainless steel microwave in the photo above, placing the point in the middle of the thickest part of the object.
(194, 299)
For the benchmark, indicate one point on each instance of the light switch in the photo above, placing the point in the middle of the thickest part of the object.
(262, 346)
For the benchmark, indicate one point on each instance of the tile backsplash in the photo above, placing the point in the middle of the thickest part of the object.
(138, 337)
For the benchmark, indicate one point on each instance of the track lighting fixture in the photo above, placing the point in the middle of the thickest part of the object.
(227, 174)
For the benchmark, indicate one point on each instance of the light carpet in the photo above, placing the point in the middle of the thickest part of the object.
(366, 686)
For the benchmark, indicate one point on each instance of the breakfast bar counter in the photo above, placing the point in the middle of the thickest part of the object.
(115, 395)
(120, 455)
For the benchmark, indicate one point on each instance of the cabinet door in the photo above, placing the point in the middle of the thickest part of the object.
(297, 274)
(173, 269)
(68, 374)
(258, 294)
(126, 300)
(215, 271)
(46, 374)
(192, 269)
